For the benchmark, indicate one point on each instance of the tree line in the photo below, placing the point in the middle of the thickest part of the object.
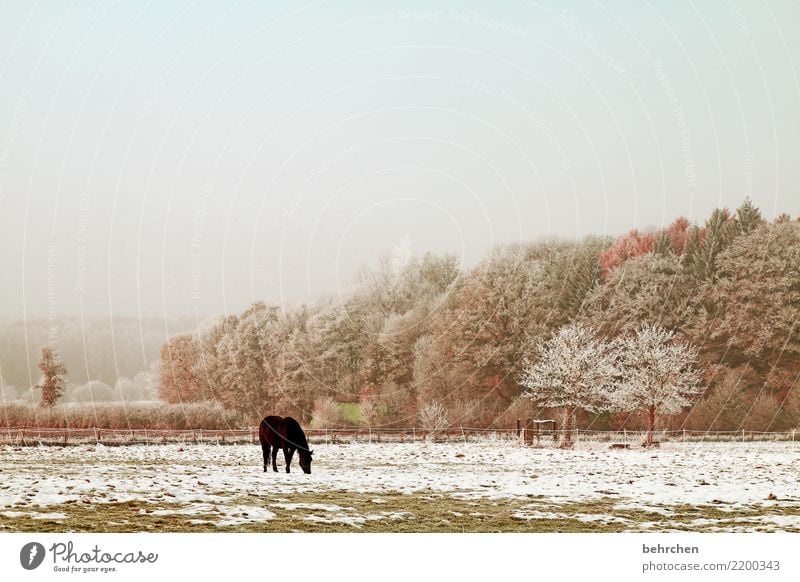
(424, 341)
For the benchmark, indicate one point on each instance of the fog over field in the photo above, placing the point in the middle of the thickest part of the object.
(187, 158)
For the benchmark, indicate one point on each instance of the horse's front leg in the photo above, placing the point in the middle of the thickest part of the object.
(287, 454)
(275, 459)
(265, 450)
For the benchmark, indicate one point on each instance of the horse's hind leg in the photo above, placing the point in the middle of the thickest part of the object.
(275, 459)
(265, 450)
(287, 454)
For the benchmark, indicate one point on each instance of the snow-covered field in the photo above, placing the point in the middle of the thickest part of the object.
(472, 486)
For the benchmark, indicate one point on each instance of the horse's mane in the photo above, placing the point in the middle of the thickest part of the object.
(295, 434)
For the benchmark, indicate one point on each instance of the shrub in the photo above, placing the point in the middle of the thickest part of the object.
(433, 416)
(150, 415)
(326, 413)
(93, 391)
(724, 407)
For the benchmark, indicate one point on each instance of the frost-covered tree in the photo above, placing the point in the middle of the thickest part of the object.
(178, 383)
(128, 390)
(657, 375)
(572, 370)
(254, 380)
(626, 247)
(54, 380)
(151, 379)
(485, 328)
(647, 289)
(209, 363)
(92, 391)
(569, 275)
(720, 230)
(750, 313)
(748, 217)
(677, 233)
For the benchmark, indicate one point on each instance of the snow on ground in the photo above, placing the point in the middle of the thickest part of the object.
(203, 477)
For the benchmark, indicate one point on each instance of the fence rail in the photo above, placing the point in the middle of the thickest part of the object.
(63, 436)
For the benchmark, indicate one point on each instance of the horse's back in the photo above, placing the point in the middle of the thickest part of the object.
(272, 430)
(277, 431)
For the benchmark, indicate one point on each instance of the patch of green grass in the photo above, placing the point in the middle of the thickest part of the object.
(350, 412)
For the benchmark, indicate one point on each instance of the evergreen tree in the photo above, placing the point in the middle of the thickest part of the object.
(663, 246)
(581, 275)
(694, 242)
(748, 217)
(719, 233)
(750, 313)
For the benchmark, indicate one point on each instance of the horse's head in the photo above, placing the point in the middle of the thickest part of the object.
(305, 460)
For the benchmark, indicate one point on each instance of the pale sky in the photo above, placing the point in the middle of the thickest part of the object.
(181, 158)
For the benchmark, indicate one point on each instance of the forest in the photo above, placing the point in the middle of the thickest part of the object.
(423, 342)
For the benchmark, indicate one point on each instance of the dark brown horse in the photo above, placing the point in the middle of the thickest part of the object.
(284, 433)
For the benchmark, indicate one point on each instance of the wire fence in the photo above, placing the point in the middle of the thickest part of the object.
(63, 436)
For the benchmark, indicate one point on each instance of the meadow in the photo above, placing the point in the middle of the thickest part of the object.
(490, 485)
